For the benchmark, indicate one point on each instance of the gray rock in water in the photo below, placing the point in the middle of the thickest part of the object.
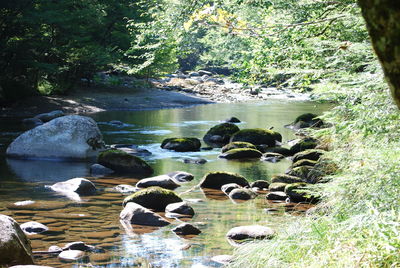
(15, 247)
(67, 137)
(163, 181)
(261, 184)
(54, 249)
(227, 188)
(215, 180)
(181, 176)
(78, 245)
(125, 188)
(179, 208)
(242, 194)
(33, 227)
(186, 229)
(222, 259)
(282, 196)
(272, 157)
(46, 117)
(80, 186)
(100, 170)
(250, 232)
(72, 255)
(136, 214)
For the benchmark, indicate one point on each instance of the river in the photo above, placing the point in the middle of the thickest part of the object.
(95, 219)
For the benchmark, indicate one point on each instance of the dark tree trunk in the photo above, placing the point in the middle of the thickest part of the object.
(383, 23)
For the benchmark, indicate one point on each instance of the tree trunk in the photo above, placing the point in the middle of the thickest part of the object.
(383, 23)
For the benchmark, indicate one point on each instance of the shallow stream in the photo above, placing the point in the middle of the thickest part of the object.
(95, 219)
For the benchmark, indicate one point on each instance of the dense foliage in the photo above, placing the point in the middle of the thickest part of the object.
(48, 46)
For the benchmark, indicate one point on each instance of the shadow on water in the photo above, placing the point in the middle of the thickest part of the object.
(95, 220)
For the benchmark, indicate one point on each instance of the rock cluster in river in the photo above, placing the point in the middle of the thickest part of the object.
(153, 195)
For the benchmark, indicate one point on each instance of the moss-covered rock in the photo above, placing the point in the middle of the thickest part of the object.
(298, 192)
(181, 144)
(215, 180)
(279, 150)
(236, 145)
(304, 162)
(219, 135)
(232, 120)
(307, 120)
(301, 172)
(277, 187)
(260, 184)
(257, 136)
(241, 153)
(122, 162)
(304, 144)
(284, 178)
(156, 198)
(311, 154)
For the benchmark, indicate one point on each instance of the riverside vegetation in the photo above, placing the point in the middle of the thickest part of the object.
(320, 46)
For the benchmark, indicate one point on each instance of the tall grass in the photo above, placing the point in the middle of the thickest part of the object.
(358, 222)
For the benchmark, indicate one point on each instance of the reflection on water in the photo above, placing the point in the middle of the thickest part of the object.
(94, 219)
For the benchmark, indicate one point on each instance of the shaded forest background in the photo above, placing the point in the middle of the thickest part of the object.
(49, 46)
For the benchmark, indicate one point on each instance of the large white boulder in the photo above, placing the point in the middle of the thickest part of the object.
(15, 247)
(69, 137)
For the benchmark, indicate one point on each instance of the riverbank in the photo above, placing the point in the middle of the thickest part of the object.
(356, 224)
(134, 94)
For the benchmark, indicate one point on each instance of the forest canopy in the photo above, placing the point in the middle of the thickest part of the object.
(48, 46)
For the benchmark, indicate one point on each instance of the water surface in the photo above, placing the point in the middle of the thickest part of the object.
(94, 220)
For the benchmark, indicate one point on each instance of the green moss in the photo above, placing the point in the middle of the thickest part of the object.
(304, 144)
(310, 154)
(241, 153)
(257, 136)
(121, 161)
(301, 172)
(279, 150)
(223, 129)
(236, 145)
(181, 144)
(298, 192)
(304, 162)
(154, 198)
(305, 117)
(284, 178)
(277, 187)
